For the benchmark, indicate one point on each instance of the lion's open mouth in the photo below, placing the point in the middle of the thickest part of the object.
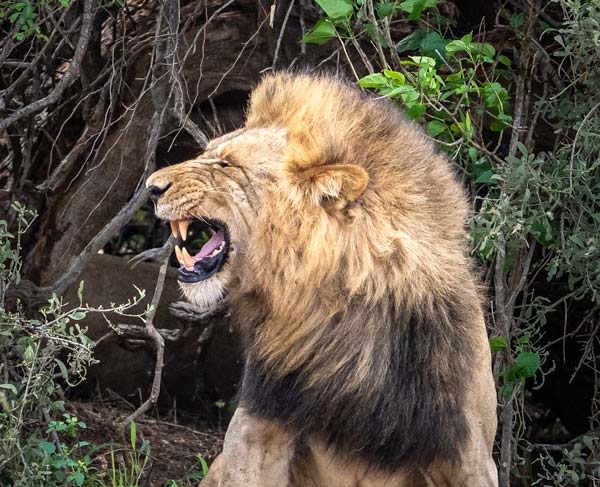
(202, 249)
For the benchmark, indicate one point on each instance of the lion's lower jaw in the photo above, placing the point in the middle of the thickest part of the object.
(207, 294)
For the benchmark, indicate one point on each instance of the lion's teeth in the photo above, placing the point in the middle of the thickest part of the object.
(183, 228)
(173, 228)
(179, 255)
(187, 258)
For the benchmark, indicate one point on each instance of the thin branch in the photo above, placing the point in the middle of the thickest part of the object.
(159, 342)
(565, 446)
(281, 32)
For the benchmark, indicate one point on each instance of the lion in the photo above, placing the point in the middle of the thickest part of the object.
(338, 235)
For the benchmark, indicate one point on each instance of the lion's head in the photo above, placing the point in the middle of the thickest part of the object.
(338, 233)
(212, 203)
(314, 187)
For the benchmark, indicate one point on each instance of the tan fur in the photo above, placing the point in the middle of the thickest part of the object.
(337, 208)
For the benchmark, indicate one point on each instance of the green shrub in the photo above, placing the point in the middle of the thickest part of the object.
(39, 352)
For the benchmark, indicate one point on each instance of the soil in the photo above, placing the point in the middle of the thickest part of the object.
(175, 444)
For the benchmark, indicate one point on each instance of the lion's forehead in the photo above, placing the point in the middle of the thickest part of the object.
(245, 143)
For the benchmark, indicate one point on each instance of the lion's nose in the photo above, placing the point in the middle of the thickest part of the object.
(156, 191)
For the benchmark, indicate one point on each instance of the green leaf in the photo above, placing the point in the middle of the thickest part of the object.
(395, 75)
(433, 45)
(498, 343)
(375, 80)
(322, 32)
(494, 94)
(60, 463)
(504, 60)
(336, 9)
(416, 7)
(503, 121)
(80, 292)
(542, 231)
(410, 97)
(472, 154)
(384, 9)
(485, 177)
(79, 478)
(398, 91)
(527, 364)
(483, 49)
(423, 61)
(29, 354)
(203, 464)
(63, 368)
(416, 111)
(78, 315)
(47, 447)
(411, 42)
(435, 128)
(455, 46)
(517, 20)
(132, 434)
(588, 441)
(10, 387)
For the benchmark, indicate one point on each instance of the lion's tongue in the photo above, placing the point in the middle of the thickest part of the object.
(209, 247)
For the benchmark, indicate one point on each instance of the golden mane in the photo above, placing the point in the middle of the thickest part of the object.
(408, 234)
(358, 271)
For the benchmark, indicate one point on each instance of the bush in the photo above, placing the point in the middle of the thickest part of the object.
(39, 353)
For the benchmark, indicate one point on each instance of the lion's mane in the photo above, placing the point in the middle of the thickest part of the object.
(358, 311)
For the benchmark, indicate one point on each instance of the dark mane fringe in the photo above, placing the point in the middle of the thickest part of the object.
(415, 416)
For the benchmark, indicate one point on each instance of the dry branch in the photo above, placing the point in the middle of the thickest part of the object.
(190, 313)
(159, 343)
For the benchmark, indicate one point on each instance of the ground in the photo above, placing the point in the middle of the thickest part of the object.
(175, 443)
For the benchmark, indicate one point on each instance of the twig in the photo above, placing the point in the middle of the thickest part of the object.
(281, 32)
(378, 35)
(565, 446)
(159, 342)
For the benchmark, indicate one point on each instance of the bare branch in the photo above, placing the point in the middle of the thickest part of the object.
(281, 32)
(159, 342)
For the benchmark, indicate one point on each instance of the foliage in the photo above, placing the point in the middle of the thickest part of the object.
(38, 353)
(26, 16)
(580, 462)
(129, 473)
(69, 464)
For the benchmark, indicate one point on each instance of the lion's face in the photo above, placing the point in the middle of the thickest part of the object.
(211, 202)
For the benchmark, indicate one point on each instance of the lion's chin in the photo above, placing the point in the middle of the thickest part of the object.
(206, 295)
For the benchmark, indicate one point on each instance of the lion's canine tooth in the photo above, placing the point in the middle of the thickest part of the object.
(183, 228)
(173, 228)
(187, 258)
(179, 255)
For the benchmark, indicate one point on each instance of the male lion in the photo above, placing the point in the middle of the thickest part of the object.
(338, 235)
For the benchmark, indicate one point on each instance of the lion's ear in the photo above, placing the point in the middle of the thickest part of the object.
(346, 181)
